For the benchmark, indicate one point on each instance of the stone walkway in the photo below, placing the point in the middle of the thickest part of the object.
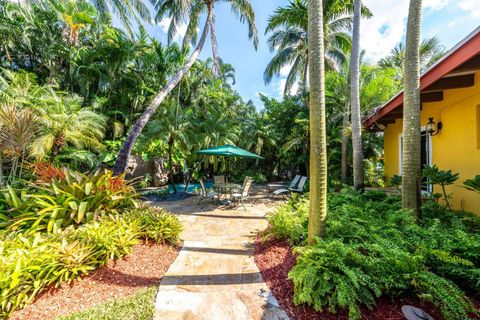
(214, 276)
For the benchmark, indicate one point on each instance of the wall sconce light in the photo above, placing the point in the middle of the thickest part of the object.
(433, 128)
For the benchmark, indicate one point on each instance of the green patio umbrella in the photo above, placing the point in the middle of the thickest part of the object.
(229, 151)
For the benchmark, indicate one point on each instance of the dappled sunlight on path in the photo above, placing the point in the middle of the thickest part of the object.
(215, 276)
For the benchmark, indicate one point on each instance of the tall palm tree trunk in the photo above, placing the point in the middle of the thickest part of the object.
(213, 37)
(318, 137)
(126, 149)
(358, 174)
(345, 140)
(411, 166)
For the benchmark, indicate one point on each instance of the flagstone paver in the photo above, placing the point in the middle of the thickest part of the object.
(215, 277)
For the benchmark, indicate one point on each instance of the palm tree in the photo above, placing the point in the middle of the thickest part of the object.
(358, 174)
(67, 122)
(318, 137)
(411, 166)
(289, 38)
(430, 52)
(179, 10)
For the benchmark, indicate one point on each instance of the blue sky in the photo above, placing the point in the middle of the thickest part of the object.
(449, 20)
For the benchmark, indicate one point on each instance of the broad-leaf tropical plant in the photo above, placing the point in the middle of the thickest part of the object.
(443, 178)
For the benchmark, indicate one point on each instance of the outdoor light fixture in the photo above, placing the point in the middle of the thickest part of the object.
(433, 128)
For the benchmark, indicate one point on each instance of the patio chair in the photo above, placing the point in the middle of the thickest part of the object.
(244, 194)
(299, 189)
(292, 184)
(207, 195)
(219, 179)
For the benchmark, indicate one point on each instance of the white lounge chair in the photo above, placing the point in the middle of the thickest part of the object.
(300, 188)
(292, 184)
(207, 195)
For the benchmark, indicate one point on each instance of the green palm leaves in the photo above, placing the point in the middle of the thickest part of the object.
(430, 52)
(189, 12)
(289, 37)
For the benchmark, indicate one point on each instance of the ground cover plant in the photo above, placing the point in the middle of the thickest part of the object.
(375, 249)
(31, 262)
(138, 307)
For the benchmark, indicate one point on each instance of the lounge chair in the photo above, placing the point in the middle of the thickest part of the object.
(291, 185)
(299, 189)
(207, 195)
(244, 194)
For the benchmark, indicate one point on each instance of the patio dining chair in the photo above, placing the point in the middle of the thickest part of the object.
(244, 194)
(207, 195)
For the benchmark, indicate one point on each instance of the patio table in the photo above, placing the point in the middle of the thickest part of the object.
(226, 189)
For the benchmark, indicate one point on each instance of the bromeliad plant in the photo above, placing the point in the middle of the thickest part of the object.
(69, 199)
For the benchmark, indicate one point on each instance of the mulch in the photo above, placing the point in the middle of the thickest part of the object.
(275, 259)
(121, 278)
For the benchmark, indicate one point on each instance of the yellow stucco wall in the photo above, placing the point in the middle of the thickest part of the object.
(456, 147)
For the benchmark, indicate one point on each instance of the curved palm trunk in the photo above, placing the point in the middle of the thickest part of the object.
(357, 143)
(411, 166)
(126, 149)
(345, 140)
(318, 138)
(213, 36)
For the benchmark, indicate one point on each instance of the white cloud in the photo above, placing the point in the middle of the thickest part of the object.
(387, 27)
(471, 6)
(164, 24)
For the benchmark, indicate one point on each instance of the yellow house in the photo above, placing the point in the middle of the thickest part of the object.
(450, 95)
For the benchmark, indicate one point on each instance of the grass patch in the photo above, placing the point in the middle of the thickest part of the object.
(138, 307)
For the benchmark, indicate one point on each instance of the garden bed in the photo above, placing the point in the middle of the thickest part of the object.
(275, 259)
(122, 278)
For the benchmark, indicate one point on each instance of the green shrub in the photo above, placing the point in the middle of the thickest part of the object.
(374, 248)
(157, 225)
(289, 221)
(74, 200)
(31, 262)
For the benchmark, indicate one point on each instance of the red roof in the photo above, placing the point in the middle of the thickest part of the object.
(461, 53)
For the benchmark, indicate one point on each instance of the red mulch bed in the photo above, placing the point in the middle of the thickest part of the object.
(121, 278)
(275, 259)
